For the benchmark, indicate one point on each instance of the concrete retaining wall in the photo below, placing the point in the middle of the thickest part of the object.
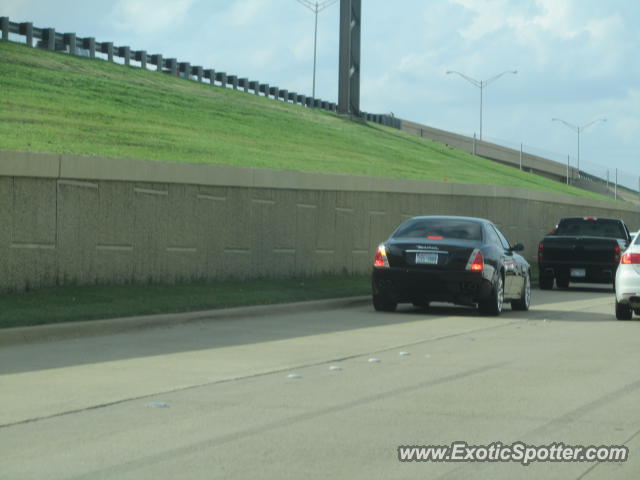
(71, 219)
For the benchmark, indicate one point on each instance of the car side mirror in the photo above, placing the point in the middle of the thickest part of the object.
(518, 247)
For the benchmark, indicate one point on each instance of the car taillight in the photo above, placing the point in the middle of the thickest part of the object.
(616, 253)
(540, 251)
(381, 259)
(476, 261)
(630, 258)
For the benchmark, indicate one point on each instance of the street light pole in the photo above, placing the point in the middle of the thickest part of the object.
(481, 84)
(578, 129)
(316, 7)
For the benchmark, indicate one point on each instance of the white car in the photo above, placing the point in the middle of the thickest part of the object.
(627, 282)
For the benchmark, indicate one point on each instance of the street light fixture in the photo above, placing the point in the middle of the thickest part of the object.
(578, 129)
(316, 7)
(481, 84)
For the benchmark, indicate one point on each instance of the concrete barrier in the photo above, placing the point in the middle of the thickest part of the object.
(84, 220)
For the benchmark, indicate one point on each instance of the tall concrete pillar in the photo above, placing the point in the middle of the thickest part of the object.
(49, 38)
(141, 56)
(4, 26)
(26, 29)
(70, 41)
(349, 66)
(89, 43)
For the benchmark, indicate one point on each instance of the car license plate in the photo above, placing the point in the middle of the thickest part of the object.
(426, 258)
(578, 272)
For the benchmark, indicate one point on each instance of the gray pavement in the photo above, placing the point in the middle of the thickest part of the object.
(256, 397)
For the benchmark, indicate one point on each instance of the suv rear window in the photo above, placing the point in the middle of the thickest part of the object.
(591, 228)
(439, 227)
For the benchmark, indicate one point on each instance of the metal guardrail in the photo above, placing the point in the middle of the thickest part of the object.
(70, 43)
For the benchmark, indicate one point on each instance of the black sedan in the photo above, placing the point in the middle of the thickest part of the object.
(461, 260)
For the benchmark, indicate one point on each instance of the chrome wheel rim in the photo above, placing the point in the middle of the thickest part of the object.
(527, 291)
(500, 294)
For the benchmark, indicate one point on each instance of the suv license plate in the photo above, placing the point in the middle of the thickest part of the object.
(426, 258)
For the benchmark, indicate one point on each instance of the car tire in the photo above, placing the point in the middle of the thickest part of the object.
(562, 282)
(524, 301)
(546, 282)
(623, 311)
(382, 303)
(492, 306)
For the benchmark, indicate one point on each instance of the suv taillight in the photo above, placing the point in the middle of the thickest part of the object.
(630, 258)
(616, 253)
(540, 251)
(381, 260)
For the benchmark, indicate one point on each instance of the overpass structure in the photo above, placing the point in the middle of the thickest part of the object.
(514, 158)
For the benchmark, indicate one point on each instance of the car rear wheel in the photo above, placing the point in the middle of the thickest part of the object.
(493, 304)
(546, 282)
(525, 298)
(623, 311)
(383, 303)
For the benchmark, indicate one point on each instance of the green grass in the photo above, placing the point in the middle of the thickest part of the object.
(70, 304)
(52, 102)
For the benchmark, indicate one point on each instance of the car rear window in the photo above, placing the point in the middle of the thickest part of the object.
(591, 228)
(439, 228)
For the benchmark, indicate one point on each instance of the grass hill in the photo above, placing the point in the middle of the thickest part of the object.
(52, 102)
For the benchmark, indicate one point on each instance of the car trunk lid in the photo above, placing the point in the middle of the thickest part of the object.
(430, 254)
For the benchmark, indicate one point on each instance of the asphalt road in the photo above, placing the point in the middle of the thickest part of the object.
(300, 396)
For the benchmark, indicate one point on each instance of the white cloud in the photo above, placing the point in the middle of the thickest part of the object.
(149, 16)
(303, 49)
(246, 12)
(487, 17)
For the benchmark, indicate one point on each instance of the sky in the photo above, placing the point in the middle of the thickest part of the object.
(577, 60)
